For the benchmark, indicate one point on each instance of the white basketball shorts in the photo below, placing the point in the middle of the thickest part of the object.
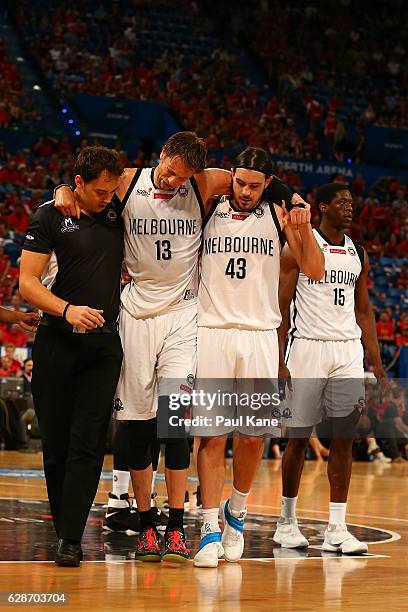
(235, 368)
(159, 358)
(327, 380)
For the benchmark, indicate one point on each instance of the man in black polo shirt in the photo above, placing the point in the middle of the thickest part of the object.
(77, 351)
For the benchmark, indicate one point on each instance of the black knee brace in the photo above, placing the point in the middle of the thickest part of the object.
(120, 444)
(142, 437)
(177, 455)
(155, 451)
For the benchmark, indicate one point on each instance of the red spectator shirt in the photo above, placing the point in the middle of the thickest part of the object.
(374, 247)
(15, 368)
(14, 336)
(385, 331)
(19, 222)
(403, 249)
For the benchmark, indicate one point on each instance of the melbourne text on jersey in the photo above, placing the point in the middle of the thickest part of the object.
(336, 277)
(238, 244)
(176, 227)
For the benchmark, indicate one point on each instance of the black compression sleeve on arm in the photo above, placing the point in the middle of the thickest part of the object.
(277, 191)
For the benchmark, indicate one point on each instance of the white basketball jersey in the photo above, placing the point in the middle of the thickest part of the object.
(162, 241)
(324, 310)
(240, 269)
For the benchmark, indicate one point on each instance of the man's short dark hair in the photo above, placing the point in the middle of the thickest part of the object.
(326, 193)
(254, 158)
(93, 160)
(188, 146)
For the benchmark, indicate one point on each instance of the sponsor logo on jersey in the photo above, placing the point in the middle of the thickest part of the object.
(68, 225)
(183, 191)
(259, 212)
(239, 217)
(142, 192)
(325, 247)
(351, 250)
(30, 237)
(189, 295)
(112, 216)
(338, 251)
(190, 379)
(163, 196)
(118, 405)
(222, 215)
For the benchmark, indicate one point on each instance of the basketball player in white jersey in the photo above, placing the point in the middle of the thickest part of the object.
(238, 314)
(331, 322)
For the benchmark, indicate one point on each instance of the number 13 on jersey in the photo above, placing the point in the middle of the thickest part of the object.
(163, 249)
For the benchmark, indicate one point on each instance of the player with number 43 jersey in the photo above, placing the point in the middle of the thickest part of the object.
(238, 314)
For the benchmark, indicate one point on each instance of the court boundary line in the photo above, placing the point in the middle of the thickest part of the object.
(374, 516)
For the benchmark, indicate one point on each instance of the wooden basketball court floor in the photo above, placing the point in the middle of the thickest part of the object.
(268, 578)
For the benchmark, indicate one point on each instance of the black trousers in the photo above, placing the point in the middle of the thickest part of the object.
(73, 384)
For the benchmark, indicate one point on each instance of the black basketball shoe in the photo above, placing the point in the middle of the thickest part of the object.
(120, 517)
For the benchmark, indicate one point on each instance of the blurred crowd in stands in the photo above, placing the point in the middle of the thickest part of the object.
(16, 108)
(230, 71)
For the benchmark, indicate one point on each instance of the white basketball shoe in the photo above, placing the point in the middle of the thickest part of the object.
(288, 534)
(210, 548)
(232, 536)
(338, 539)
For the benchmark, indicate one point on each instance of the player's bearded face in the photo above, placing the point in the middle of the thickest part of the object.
(247, 188)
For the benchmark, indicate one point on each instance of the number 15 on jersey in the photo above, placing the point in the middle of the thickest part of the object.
(339, 297)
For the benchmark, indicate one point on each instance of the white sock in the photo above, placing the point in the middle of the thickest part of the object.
(288, 507)
(210, 518)
(337, 513)
(152, 502)
(372, 446)
(120, 483)
(237, 502)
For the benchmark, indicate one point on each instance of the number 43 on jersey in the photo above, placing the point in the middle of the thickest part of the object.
(236, 268)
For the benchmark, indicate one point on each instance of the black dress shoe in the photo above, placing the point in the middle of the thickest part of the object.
(68, 555)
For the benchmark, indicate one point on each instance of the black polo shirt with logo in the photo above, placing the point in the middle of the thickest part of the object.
(89, 254)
